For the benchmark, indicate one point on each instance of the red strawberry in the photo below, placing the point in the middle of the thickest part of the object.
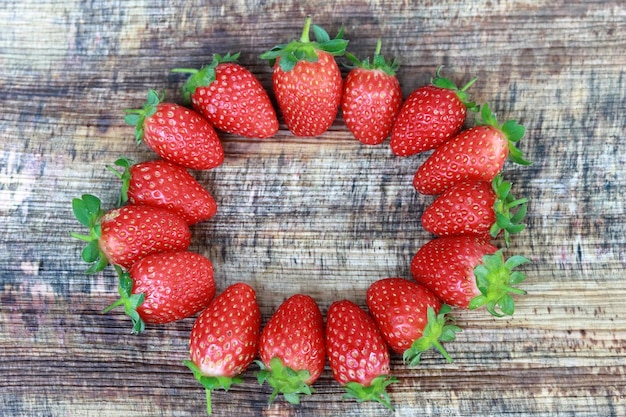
(165, 287)
(307, 81)
(469, 272)
(430, 116)
(231, 98)
(292, 348)
(476, 208)
(358, 354)
(371, 98)
(176, 133)
(224, 339)
(123, 236)
(410, 318)
(475, 154)
(167, 185)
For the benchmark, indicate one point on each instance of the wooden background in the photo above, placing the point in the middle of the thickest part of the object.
(325, 216)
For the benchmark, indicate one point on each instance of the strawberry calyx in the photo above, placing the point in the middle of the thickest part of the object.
(204, 76)
(375, 391)
(136, 117)
(509, 211)
(129, 300)
(438, 329)
(88, 212)
(378, 62)
(211, 383)
(284, 380)
(304, 49)
(510, 129)
(461, 93)
(495, 280)
(125, 176)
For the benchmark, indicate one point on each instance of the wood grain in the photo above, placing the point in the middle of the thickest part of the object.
(325, 216)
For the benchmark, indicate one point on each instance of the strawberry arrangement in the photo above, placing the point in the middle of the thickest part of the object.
(147, 236)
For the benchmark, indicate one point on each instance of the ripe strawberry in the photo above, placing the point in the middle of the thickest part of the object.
(292, 348)
(165, 287)
(224, 339)
(469, 272)
(430, 116)
(307, 81)
(161, 183)
(124, 235)
(371, 98)
(231, 98)
(476, 208)
(475, 154)
(410, 318)
(358, 354)
(176, 133)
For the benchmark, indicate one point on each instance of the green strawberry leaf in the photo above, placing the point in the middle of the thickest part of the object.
(136, 117)
(211, 383)
(125, 176)
(204, 76)
(376, 391)
(378, 62)
(284, 380)
(320, 34)
(438, 329)
(495, 279)
(509, 211)
(128, 300)
(304, 49)
(88, 212)
(510, 129)
(91, 252)
(442, 82)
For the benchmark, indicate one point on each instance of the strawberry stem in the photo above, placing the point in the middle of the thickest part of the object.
(211, 383)
(304, 38)
(209, 408)
(379, 44)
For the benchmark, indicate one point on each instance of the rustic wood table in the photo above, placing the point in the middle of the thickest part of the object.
(325, 216)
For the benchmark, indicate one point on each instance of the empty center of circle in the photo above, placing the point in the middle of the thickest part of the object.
(313, 215)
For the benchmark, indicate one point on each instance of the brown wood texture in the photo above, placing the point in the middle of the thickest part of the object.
(324, 216)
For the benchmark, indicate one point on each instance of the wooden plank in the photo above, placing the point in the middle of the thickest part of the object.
(326, 216)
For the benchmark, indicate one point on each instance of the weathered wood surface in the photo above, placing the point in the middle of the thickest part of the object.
(325, 216)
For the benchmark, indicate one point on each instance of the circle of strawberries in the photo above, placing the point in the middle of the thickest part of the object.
(146, 238)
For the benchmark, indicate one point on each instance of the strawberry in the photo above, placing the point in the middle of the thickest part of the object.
(469, 272)
(165, 287)
(430, 116)
(231, 98)
(410, 318)
(358, 354)
(124, 235)
(476, 208)
(371, 98)
(224, 339)
(307, 81)
(176, 133)
(292, 348)
(477, 153)
(161, 183)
